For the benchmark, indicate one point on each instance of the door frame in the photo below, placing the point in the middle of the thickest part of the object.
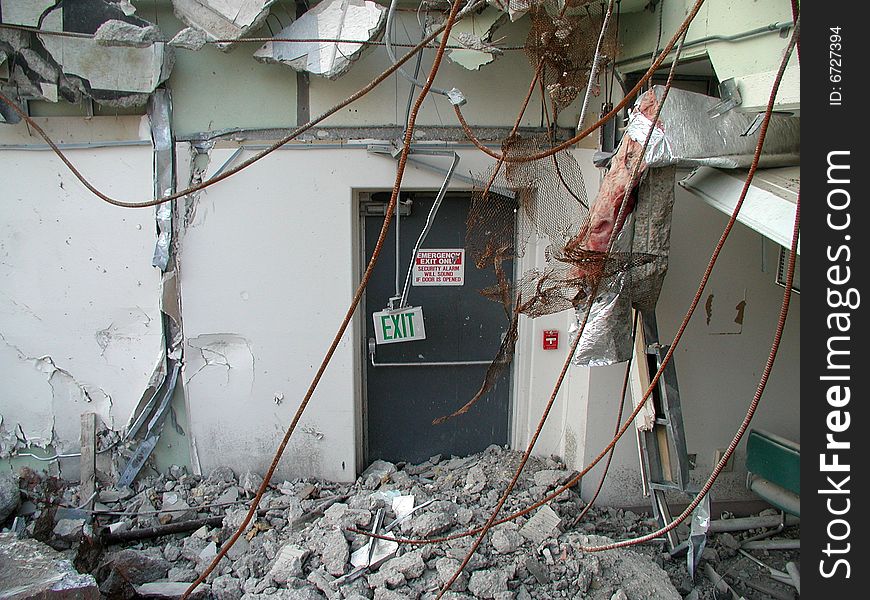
(361, 195)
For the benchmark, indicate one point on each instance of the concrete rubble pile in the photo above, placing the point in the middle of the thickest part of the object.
(299, 547)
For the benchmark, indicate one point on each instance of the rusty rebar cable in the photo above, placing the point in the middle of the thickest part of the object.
(244, 164)
(403, 158)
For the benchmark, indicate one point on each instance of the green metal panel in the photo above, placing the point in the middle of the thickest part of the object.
(775, 459)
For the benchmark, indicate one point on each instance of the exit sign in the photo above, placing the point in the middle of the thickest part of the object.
(402, 325)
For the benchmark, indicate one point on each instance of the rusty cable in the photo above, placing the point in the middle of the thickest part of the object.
(257, 40)
(244, 164)
(409, 136)
(469, 133)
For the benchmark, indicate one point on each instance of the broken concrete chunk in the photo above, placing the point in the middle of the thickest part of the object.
(136, 566)
(488, 583)
(446, 567)
(69, 530)
(550, 477)
(189, 38)
(475, 481)
(223, 19)
(172, 589)
(331, 19)
(542, 526)
(10, 497)
(36, 571)
(433, 523)
(335, 553)
(174, 506)
(506, 539)
(410, 564)
(474, 33)
(226, 587)
(539, 571)
(250, 482)
(123, 34)
(288, 563)
(115, 76)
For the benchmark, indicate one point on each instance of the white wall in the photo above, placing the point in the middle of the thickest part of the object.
(79, 307)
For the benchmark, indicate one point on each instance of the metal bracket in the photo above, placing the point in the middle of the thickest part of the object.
(450, 363)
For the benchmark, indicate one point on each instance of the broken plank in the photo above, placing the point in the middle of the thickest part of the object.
(88, 460)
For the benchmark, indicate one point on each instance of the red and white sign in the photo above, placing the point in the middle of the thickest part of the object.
(439, 267)
(551, 339)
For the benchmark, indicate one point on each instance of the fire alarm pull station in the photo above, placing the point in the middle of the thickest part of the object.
(551, 339)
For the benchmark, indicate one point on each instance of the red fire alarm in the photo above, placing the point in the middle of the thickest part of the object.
(551, 339)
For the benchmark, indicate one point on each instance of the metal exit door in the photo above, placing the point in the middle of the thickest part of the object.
(410, 384)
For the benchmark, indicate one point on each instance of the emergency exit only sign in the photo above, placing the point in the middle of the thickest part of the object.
(439, 267)
(403, 325)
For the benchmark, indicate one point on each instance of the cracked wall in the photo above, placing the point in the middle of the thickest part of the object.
(80, 327)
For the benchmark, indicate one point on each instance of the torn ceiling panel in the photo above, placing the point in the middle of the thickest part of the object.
(114, 75)
(475, 33)
(223, 19)
(331, 19)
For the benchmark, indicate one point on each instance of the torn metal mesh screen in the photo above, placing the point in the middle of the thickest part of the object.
(566, 47)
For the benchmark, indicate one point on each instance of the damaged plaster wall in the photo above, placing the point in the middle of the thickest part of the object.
(80, 324)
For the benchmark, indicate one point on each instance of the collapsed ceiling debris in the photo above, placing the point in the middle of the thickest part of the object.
(223, 19)
(330, 20)
(104, 53)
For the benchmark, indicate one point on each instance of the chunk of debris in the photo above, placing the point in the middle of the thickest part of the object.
(189, 38)
(172, 589)
(120, 33)
(361, 20)
(335, 552)
(69, 530)
(10, 497)
(36, 571)
(223, 19)
(541, 526)
(488, 583)
(288, 563)
(119, 76)
(505, 538)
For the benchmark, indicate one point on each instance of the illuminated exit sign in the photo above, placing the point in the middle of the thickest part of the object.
(403, 325)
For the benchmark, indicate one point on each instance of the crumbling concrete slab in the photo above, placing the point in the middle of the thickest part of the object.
(30, 569)
(331, 19)
(116, 75)
(223, 19)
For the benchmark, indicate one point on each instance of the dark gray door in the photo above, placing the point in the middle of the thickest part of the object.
(461, 326)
